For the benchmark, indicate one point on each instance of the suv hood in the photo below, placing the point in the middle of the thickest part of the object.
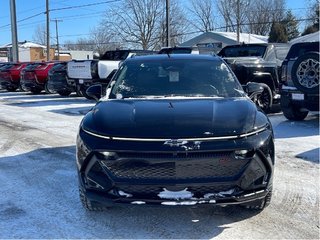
(172, 119)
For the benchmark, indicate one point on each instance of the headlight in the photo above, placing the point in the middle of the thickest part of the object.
(82, 151)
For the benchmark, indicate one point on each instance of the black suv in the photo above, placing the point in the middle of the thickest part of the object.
(258, 63)
(175, 130)
(300, 81)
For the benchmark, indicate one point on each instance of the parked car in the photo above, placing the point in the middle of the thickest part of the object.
(300, 81)
(58, 80)
(258, 63)
(175, 130)
(35, 76)
(84, 73)
(10, 75)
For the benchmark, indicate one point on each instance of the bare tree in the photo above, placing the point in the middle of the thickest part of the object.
(203, 19)
(39, 35)
(261, 15)
(136, 21)
(233, 13)
(103, 39)
(178, 26)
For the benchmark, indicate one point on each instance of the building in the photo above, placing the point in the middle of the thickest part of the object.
(29, 52)
(215, 41)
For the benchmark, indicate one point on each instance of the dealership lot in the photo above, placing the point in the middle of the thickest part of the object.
(39, 196)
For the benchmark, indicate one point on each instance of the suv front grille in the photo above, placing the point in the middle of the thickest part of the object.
(171, 166)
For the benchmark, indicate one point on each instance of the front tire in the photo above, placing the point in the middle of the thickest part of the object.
(264, 99)
(64, 93)
(292, 112)
(11, 88)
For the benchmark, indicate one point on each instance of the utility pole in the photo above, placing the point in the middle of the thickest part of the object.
(238, 21)
(57, 36)
(14, 35)
(48, 31)
(168, 22)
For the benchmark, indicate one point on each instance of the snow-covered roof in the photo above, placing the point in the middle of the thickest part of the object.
(245, 37)
(25, 45)
(312, 37)
(227, 38)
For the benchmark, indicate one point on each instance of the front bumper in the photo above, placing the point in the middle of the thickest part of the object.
(210, 175)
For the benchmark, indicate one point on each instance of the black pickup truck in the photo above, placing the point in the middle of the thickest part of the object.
(258, 63)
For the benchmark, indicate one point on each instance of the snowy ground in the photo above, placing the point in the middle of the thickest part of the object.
(39, 195)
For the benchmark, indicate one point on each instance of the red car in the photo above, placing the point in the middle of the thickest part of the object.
(10, 75)
(35, 76)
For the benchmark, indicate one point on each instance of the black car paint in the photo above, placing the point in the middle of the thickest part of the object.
(180, 134)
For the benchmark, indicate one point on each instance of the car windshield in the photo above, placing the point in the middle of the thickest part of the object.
(7, 66)
(175, 77)
(243, 51)
(32, 66)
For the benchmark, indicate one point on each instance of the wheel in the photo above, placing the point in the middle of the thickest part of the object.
(46, 88)
(260, 204)
(293, 113)
(89, 205)
(264, 99)
(35, 90)
(64, 93)
(11, 88)
(305, 73)
(84, 93)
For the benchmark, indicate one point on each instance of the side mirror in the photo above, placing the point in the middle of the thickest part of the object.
(253, 89)
(95, 91)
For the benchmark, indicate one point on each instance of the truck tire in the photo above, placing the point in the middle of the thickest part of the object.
(11, 88)
(64, 93)
(305, 73)
(264, 99)
(292, 112)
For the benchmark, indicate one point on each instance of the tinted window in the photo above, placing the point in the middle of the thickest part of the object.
(176, 77)
(59, 66)
(243, 51)
(6, 66)
(175, 50)
(115, 55)
(32, 66)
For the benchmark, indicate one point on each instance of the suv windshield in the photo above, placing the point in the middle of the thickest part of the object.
(243, 51)
(32, 66)
(175, 77)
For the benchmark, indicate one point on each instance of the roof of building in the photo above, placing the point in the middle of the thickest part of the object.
(25, 44)
(228, 38)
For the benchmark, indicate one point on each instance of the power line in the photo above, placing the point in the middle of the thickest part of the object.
(84, 5)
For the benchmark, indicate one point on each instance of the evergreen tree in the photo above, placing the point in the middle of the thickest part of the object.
(291, 25)
(278, 33)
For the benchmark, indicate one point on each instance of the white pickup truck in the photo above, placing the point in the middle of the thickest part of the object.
(84, 73)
